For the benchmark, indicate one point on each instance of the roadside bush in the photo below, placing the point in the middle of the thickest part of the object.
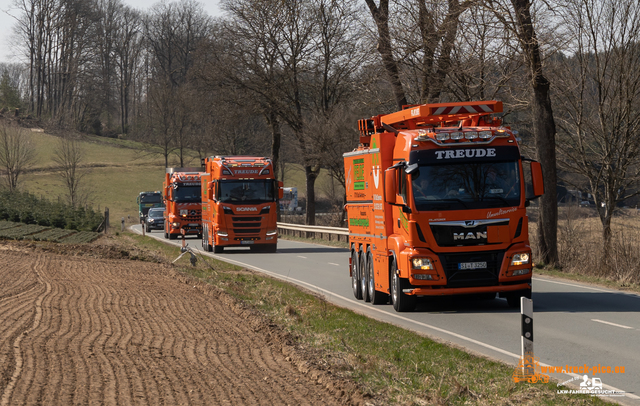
(580, 245)
(29, 209)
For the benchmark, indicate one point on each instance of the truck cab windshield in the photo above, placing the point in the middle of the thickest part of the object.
(151, 198)
(247, 191)
(186, 194)
(466, 186)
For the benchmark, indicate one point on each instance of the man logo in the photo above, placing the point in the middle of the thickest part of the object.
(470, 223)
(470, 236)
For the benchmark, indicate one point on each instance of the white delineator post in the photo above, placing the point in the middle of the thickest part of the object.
(526, 309)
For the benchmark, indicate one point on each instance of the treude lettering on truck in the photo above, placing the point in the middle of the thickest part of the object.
(471, 155)
(245, 171)
(466, 153)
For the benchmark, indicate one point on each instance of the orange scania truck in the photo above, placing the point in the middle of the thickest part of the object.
(436, 201)
(239, 203)
(183, 210)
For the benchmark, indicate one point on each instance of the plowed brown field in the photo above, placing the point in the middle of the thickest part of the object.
(76, 330)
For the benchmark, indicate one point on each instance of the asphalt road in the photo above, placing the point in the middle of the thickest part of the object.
(575, 324)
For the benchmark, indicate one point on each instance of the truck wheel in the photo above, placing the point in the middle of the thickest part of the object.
(204, 239)
(218, 249)
(364, 278)
(209, 246)
(355, 279)
(376, 297)
(401, 301)
(513, 299)
(166, 233)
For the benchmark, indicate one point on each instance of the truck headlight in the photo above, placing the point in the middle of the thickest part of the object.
(272, 232)
(175, 224)
(222, 233)
(421, 263)
(520, 259)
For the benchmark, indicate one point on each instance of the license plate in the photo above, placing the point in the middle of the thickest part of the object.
(472, 265)
(246, 242)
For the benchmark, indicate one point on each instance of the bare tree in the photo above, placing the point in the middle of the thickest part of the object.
(517, 17)
(128, 51)
(69, 155)
(17, 153)
(380, 14)
(599, 91)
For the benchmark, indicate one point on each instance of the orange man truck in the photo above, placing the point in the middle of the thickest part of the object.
(183, 207)
(239, 203)
(436, 200)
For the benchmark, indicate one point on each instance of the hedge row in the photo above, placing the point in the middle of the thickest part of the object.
(29, 209)
(20, 231)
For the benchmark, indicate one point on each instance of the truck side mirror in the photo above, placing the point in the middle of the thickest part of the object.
(280, 190)
(536, 179)
(390, 185)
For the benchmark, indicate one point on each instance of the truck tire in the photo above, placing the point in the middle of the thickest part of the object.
(209, 246)
(364, 278)
(355, 279)
(166, 233)
(401, 301)
(376, 297)
(513, 299)
(205, 239)
(217, 249)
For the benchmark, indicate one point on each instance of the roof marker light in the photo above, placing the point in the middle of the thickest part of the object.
(484, 135)
(442, 136)
(471, 135)
(423, 135)
(458, 135)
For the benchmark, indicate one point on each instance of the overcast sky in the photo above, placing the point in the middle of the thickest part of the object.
(7, 22)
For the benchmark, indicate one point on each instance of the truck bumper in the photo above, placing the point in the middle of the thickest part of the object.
(466, 291)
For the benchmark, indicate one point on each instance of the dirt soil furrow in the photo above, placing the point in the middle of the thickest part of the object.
(83, 330)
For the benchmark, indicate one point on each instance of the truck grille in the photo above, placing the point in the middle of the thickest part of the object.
(246, 225)
(456, 236)
(246, 230)
(461, 278)
(247, 218)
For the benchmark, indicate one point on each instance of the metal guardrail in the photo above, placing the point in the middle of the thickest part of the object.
(320, 232)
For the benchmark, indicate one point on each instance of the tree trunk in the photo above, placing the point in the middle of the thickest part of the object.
(311, 176)
(544, 129)
(381, 17)
(276, 135)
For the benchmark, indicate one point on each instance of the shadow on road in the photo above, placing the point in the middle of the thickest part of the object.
(567, 302)
(309, 250)
(318, 250)
(585, 302)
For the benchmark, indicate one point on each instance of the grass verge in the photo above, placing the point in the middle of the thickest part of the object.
(390, 365)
